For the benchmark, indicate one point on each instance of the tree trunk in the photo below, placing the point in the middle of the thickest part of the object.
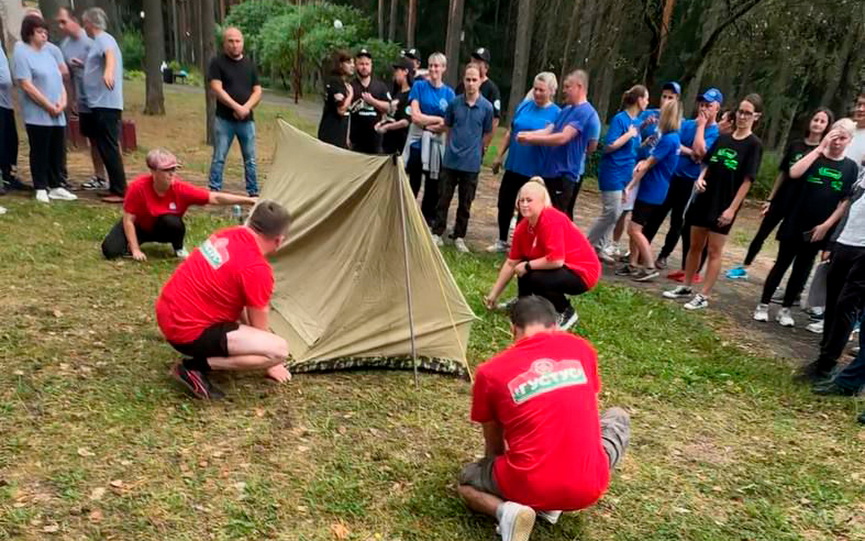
(380, 19)
(49, 10)
(411, 23)
(391, 30)
(569, 38)
(453, 40)
(522, 51)
(154, 46)
(839, 72)
(208, 50)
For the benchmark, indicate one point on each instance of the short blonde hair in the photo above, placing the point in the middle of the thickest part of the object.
(846, 125)
(536, 186)
(549, 79)
(438, 58)
(671, 117)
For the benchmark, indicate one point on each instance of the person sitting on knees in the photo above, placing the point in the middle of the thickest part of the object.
(154, 206)
(549, 255)
(546, 449)
(214, 308)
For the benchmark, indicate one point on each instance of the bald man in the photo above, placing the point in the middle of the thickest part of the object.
(234, 82)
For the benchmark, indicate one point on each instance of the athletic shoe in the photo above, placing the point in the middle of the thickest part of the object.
(645, 275)
(64, 183)
(830, 388)
(95, 183)
(196, 382)
(14, 183)
(626, 270)
(42, 196)
(678, 292)
(568, 318)
(815, 327)
(437, 240)
(460, 245)
(112, 198)
(778, 297)
(785, 318)
(697, 303)
(506, 305)
(761, 313)
(499, 247)
(181, 253)
(661, 263)
(3, 211)
(604, 257)
(624, 257)
(517, 522)
(551, 517)
(676, 276)
(738, 273)
(811, 373)
(62, 194)
(816, 312)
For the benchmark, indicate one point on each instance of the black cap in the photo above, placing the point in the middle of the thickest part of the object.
(364, 52)
(404, 64)
(412, 53)
(482, 54)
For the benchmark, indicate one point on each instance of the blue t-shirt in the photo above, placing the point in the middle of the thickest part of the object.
(568, 160)
(39, 67)
(97, 94)
(593, 133)
(617, 167)
(468, 124)
(688, 167)
(649, 133)
(5, 83)
(77, 49)
(432, 100)
(656, 181)
(528, 160)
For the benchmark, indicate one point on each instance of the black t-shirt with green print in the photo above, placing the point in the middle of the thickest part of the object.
(788, 192)
(826, 183)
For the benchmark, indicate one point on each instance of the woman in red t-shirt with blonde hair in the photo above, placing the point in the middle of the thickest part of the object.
(549, 255)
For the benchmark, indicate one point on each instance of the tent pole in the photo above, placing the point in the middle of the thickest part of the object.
(402, 212)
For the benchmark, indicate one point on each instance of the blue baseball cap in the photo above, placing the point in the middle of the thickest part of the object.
(711, 95)
(674, 86)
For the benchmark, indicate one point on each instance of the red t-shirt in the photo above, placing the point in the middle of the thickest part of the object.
(223, 276)
(542, 391)
(146, 205)
(556, 237)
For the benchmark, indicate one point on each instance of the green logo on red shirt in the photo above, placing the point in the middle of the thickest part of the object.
(215, 251)
(544, 376)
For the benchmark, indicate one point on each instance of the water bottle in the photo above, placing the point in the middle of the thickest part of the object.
(237, 213)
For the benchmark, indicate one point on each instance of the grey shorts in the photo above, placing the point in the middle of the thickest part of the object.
(479, 475)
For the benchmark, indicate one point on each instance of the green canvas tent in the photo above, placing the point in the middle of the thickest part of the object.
(359, 282)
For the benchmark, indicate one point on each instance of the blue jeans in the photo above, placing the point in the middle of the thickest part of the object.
(224, 132)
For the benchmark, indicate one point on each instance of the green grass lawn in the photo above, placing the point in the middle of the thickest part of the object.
(98, 443)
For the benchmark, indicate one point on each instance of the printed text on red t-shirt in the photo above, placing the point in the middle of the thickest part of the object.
(544, 376)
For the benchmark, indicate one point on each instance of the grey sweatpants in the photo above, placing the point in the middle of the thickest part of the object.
(615, 434)
(602, 229)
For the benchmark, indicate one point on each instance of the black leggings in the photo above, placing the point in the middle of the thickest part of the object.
(773, 217)
(508, 191)
(8, 144)
(168, 228)
(552, 285)
(47, 154)
(845, 300)
(416, 176)
(801, 255)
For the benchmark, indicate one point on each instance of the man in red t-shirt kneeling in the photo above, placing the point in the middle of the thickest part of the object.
(153, 209)
(546, 449)
(214, 308)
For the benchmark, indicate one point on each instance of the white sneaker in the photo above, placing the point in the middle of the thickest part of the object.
(517, 522)
(42, 196)
(437, 240)
(460, 245)
(181, 253)
(761, 313)
(785, 318)
(3, 210)
(815, 327)
(62, 194)
(678, 292)
(697, 303)
(551, 517)
(498, 247)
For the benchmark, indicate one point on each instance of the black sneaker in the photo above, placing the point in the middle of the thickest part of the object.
(811, 373)
(625, 270)
(830, 388)
(645, 275)
(14, 183)
(196, 382)
(568, 318)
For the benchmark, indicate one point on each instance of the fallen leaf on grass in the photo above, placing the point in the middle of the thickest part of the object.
(97, 493)
(84, 451)
(57, 313)
(95, 516)
(51, 528)
(339, 530)
(117, 483)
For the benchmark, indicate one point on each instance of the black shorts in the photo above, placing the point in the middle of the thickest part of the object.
(213, 342)
(643, 212)
(697, 218)
(87, 125)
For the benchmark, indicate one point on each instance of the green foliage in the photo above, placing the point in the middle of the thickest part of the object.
(134, 75)
(766, 176)
(132, 48)
(250, 18)
(384, 54)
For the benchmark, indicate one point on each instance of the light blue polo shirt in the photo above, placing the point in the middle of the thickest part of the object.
(5, 83)
(99, 95)
(40, 67)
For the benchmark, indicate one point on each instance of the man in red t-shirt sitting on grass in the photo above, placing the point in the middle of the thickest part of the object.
(154, 206)
(214, 308)
(546, 449)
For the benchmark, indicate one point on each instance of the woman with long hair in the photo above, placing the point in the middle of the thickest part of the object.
(728, 171)
(549, 256)
(617, 165)
(823, 181)
(338, 95)
(784, 193)
(523, 161)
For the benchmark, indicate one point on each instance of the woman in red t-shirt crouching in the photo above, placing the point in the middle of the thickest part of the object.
(154, 206)
(549, 255)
